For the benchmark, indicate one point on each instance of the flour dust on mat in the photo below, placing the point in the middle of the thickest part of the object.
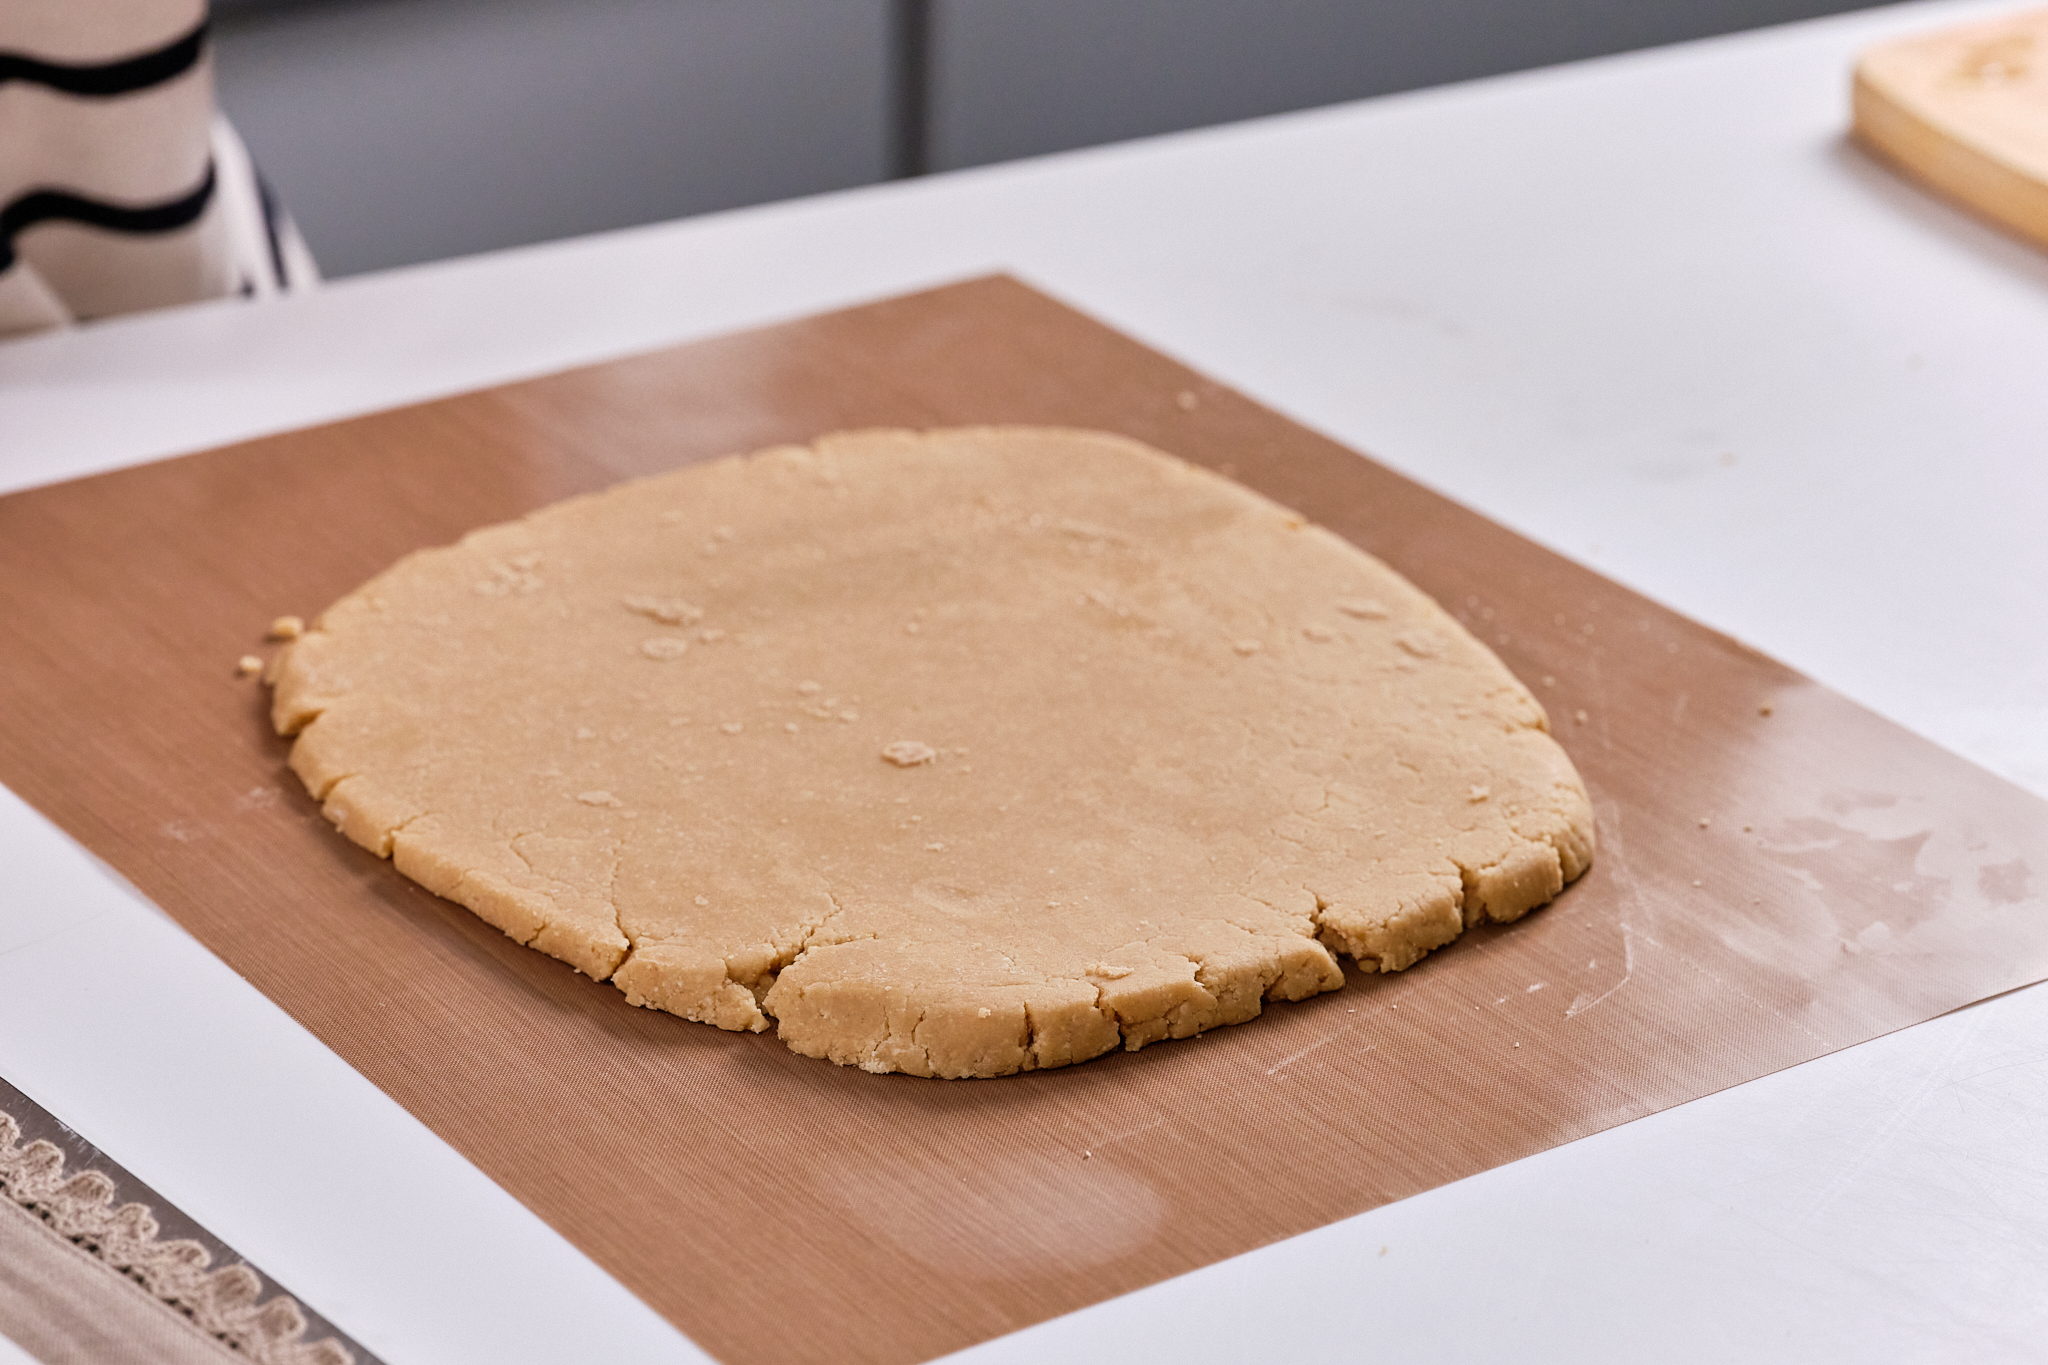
(957, 753)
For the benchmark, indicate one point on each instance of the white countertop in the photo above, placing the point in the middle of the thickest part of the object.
(1651, 311)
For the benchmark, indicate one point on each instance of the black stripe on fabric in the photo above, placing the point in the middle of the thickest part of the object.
(40, 206)
(109, 78)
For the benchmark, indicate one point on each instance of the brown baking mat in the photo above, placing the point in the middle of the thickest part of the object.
(1769, 887)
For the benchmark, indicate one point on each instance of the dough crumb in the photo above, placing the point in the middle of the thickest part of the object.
(1364, 608)
(983, 1013)
(248, 665)
(908, 753)
(1420, 646)
(1580, 717)
(664, 647)
(935, 848)
(286, 628)
(670, 611)
(1706, 820)
(1247, 648)
(1479, 794)
(1108, 971)
(598, 798)
(515, 576)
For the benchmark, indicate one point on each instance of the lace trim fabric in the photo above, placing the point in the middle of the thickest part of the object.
(225, 1303)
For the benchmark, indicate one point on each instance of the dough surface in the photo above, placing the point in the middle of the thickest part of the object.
(957, 753)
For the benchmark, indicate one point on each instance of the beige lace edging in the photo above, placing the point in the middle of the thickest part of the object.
(222, 1303)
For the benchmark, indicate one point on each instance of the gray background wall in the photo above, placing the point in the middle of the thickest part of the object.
(406, 130)
(1017, 77)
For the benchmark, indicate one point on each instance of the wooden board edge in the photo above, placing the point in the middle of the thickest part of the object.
(1946, 160)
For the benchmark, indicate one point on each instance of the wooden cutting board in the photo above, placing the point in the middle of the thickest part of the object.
(1780, 873)
(1965, 111)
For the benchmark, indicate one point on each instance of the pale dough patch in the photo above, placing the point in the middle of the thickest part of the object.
(998, 747)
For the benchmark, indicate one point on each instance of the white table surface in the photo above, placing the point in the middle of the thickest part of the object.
(1651, 311)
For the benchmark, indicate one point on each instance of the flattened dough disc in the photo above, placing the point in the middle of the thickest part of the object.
(958, 753)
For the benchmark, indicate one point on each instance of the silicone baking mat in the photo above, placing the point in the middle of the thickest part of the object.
(1780, 873)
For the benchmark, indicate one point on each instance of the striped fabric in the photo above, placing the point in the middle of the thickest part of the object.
(120, 186)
